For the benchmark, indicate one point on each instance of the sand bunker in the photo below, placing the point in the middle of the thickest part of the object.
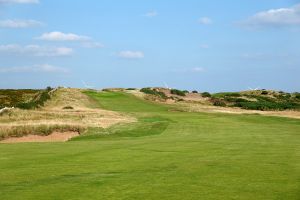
(54, 137)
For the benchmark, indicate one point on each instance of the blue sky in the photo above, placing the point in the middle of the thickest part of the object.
(193, 44)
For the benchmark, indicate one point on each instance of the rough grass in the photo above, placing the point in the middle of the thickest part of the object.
(11, 98)
(194, 156)
(43, 129)
(54, 117)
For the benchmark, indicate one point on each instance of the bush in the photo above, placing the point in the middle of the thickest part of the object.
(131, 89)
(153, 92)
(230, 99)
(178, 92)
(195, 91)
(49, 88)
(206, 94)
(186, 91)
(218, 102)
(40, 99)
(297, 95)
(264, 105)
(264, 92)
(68, 108)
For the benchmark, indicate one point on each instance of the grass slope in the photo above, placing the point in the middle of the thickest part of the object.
(166, 155)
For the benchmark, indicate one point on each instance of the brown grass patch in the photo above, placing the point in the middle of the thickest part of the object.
(53, 117)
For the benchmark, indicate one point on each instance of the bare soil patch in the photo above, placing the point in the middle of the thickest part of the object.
(54, 137)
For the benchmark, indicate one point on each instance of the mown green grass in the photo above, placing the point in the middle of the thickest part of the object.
(165, 155)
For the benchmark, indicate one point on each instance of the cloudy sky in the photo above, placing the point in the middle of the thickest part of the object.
(188, 44)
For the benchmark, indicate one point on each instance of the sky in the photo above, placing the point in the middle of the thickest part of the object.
(200, 45)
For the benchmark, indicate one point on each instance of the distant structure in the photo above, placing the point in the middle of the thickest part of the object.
(257, 88)
(166, 86)
(87, 86)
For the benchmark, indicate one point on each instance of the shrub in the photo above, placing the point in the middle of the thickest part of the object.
(178, 92)
(297, 95)
(264, 105)
(195, 91)
(131, 89)
(206, 94)
(230, 99)
(39, 100)
(49, 88)
(227, 94)
(68, 108)
(218, 102)
(153, 92)
(264, 92)
(186, 91)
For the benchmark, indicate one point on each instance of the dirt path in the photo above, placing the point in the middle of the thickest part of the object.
(54, 137)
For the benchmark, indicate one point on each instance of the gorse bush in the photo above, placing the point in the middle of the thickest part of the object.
(206, 94)
(264, 105)
(68, 108)
(178, 92)
(153, 92)
(38, 101)
(218, 102)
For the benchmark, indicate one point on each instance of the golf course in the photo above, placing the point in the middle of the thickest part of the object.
(166, 153)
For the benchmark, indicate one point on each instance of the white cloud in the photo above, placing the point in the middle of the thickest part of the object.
(45, 68)
(18, 1)
(205, 21)
(151, 14)
(16, 23)
(274, 18)
(59, 36)
(131, 54)
(36, 50)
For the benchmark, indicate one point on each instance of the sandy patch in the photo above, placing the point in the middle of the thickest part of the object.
(54, 137)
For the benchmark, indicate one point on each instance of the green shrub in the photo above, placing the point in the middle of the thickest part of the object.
(186, 91)
(297, 95)
(131, 89)
(195, 91)
(264, 105)
(226, 94)
(218, 102)
(68, 108)
(264, 92)
(206, 94)
(230, 99)
(153, 92)
(177, 92)
(40, 99)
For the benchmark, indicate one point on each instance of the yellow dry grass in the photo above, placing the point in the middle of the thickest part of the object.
(53, 117)
(198, 107)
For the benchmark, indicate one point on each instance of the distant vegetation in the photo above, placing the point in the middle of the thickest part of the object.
(205, 94)
(38, 101)
(11, 98)
(153, 92)
(259, 100)
(179, 92)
